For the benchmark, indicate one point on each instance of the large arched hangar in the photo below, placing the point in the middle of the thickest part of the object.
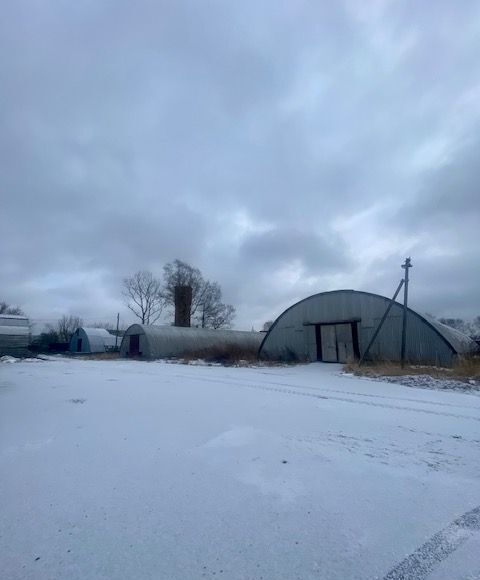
(337, 327)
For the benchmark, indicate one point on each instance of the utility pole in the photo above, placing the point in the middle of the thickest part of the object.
(379, 327)
(406, 267)
(116, 334)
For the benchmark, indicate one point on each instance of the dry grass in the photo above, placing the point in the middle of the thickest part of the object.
(226, 355)
(230, 355)
(465, 369)
(99, 356)
(468, 368)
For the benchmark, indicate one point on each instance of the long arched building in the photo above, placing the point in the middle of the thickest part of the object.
(337, 327)
(155, 342)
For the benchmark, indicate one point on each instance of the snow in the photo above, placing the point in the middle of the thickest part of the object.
(125, 469)
(427, 381)
(13, 317)
(13, 359)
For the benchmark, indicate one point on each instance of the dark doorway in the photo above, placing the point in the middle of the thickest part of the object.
(79, 345)
(134, 344)
(337, 341)
(356, 344)
(318, 336)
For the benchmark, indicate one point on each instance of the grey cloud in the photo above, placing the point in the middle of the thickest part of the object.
(284, 245)
(453, 188)
(134, 134)
(444, 216)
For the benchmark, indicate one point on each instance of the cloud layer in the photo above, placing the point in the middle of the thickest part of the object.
(283, 149)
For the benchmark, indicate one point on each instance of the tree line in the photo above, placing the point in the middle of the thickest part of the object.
(6, 308)
(147, 296)
(468, 327)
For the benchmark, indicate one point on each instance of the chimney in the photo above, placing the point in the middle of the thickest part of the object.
(183, 305)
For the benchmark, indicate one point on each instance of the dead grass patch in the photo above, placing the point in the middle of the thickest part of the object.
(225, 355)
(100, 356)
(465, 369)
(233, 355)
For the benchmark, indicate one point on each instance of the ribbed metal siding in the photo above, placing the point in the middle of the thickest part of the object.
(14, 335)
(291, 336)
(93, 340)
(171, 341)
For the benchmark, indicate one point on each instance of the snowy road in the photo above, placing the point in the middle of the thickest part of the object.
(129, 470)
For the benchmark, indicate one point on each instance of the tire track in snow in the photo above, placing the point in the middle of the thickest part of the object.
(369, 395)
(299, 393)
(421, 563)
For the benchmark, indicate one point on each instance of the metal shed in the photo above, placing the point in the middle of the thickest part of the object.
(153, 342)
(92, 340)
(337, 327)
(14, 335)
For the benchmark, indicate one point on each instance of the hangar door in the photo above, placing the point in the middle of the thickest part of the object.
(134, 349)
(337, 342)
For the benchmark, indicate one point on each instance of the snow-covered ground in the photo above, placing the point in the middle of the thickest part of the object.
(130, 470)
(427, 381)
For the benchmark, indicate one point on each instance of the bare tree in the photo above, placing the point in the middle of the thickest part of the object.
(459, 324)
(143, 296)
(267, 325)
(476, 326)
(7, 309)
(207, 309)
(222, 317)
(213, 312)
(65, 327)
(41, 343)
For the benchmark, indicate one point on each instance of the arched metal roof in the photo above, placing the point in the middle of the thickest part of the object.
(457, 342)
(170, 341)
(93, 340)
(460, 342)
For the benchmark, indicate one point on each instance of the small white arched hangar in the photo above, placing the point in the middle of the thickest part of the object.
(337, 326)
(155, 342)
(87, 340)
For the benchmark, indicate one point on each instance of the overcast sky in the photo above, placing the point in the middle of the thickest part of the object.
(284, 148)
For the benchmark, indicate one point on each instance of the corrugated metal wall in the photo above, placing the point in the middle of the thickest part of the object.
(14, 335)
(171, 341)
(293, 333)
(93, 340)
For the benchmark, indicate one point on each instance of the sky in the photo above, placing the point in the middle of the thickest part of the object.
(284, 148)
